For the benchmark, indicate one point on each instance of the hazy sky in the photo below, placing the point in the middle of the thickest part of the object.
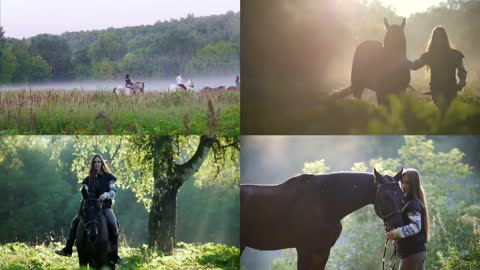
(26, 18)
(407, 7)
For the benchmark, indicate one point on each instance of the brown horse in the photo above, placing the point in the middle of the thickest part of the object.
(380, 67)
(305, 212)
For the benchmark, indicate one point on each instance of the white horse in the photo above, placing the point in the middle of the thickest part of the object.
(136, 89)
(174, 87)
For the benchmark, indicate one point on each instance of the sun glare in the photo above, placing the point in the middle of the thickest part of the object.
(408, 7)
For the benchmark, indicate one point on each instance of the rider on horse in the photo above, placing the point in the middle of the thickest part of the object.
(180, 81)
(128, 82)
(102, 183)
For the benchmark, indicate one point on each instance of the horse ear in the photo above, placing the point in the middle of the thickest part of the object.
(378, 177)
(404, 21)
(398, 176)
(387, 25)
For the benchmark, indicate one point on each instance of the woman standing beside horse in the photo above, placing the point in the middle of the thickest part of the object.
(412, 237)
(442, 61)
(101, 183)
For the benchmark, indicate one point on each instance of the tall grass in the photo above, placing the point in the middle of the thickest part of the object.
(101, 112)
(20, 256)
(412, 113)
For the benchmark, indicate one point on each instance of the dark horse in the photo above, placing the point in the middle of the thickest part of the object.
(305, 212)
(380, 67)
(93, 245)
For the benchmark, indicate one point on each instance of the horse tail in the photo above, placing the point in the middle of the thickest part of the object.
(342, 93)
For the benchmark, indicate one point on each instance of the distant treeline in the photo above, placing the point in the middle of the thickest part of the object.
(199, 45)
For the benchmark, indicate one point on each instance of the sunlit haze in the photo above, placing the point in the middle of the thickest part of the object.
(407, 7)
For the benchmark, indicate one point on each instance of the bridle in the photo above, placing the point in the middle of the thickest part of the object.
(385, 217)
(94, 220)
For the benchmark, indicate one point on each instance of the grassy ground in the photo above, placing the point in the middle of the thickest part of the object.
(314, 112)
(100, 112)
(19, 256)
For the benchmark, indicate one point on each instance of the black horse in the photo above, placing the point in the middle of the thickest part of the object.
(93, 245)
(380, 67)
(305, 212)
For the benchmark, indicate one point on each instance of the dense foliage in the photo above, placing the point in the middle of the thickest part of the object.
(197, 45)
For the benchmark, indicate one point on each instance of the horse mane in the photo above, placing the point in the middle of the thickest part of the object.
(335, 183)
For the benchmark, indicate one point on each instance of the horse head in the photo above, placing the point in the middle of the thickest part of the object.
(395, 40)
(388, 199)
(190, 84)
(91, 210)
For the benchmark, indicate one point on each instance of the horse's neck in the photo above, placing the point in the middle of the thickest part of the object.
(356, 196)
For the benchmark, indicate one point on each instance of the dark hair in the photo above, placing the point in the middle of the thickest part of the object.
(92, 172)
(415, 191)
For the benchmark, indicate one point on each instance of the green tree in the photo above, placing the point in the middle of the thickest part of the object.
(108, 47)
(155, 167)
(56, 52)
(103, 70)
(40, 70)
(220, 57)
(8, 64)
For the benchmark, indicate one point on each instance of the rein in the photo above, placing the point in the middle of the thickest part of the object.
(392, 258)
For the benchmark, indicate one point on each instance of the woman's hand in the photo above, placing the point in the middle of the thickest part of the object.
(393, 235)
(104, 196)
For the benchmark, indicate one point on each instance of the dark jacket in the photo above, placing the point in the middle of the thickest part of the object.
(415, 243)
(443, 66)
(103, 184)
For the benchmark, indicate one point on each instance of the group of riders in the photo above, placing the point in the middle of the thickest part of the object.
(129, 84)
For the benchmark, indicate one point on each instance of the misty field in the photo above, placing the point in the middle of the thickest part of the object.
(101, 112)
(20, 256)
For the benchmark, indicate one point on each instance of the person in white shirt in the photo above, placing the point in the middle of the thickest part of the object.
(180, 81)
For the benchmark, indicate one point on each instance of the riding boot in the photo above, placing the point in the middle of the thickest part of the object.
(67, 250)
(116, 259)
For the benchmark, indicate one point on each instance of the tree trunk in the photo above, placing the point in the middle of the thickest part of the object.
(168, 178)
(162, 221)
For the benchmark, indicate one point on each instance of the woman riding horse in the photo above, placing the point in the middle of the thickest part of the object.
(101, 182)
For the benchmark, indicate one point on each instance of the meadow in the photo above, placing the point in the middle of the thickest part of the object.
(20, 256)
(319, 113)
(101, 112)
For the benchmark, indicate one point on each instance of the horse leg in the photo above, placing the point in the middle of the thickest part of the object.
(304, 259)
(320, 258)
(357, 90)
(382, 99)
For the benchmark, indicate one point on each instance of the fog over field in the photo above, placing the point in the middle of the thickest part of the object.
(152, 84)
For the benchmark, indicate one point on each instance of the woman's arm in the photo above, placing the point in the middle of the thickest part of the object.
(111, 193)
(414, 227)
(462, 75)
(417, 64)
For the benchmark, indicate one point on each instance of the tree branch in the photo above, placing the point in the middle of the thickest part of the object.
(186, 170)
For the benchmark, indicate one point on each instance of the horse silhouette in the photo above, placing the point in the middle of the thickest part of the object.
(305, 211)
(380, 67)
(93, 245)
